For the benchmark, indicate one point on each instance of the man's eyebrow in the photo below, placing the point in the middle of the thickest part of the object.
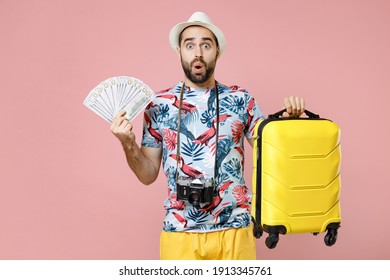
(188, 39)
(207, 39)
(203, 39)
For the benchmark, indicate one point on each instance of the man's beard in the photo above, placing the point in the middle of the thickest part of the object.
(198, 78)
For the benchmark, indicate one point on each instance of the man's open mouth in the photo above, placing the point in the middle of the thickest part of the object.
(198, 66)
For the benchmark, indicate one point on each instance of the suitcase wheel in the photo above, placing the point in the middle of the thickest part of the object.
(272, 240)
(257, 231)
(331, 236)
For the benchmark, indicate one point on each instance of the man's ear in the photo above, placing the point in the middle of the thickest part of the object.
(178, 50)
(218, 51)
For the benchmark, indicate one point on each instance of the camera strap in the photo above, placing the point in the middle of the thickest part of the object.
(179, 126)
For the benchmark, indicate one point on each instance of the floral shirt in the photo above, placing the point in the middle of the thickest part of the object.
(238, 113)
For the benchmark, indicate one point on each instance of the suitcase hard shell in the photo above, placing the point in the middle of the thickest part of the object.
(296, 177)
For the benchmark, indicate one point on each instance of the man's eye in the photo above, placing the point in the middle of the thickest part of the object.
(206, 46)
(189, 46)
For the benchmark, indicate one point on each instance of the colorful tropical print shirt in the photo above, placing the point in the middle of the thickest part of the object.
(238, 113)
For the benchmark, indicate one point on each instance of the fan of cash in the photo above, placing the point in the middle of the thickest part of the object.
(119, 93)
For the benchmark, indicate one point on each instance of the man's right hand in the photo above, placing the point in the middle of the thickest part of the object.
(123, 129)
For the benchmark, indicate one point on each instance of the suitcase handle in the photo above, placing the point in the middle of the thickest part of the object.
(307, 112)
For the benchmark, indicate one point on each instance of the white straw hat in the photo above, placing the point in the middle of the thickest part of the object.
(199, 19)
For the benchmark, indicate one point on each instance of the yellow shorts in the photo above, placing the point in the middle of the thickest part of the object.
(230, 244)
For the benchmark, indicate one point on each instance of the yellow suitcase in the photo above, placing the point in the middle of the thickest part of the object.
(296, 177)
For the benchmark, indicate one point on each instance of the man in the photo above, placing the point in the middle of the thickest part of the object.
(196, 129)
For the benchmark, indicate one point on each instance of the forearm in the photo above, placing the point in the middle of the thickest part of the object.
(144, 168)
(145, 161)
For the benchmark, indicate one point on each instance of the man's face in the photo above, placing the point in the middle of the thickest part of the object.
(198, 54)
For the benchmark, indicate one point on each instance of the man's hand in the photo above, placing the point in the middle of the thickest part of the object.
(122, 129)
(295, 106)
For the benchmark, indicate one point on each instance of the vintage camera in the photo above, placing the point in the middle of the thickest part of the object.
(195, 191)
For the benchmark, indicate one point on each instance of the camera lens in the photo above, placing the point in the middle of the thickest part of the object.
(194, 198)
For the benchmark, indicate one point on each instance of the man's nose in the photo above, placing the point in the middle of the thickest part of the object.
(198, 52)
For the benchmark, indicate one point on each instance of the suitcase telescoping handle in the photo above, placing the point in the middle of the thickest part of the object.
(308, 113)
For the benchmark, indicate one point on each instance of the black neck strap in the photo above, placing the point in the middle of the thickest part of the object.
(179, 126)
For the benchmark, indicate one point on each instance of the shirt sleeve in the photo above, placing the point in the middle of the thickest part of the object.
(151, 134)
(254, 115)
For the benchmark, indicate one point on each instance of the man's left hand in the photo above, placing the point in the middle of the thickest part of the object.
(295, 106)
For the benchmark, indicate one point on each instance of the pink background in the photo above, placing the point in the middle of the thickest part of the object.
(66, 190)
